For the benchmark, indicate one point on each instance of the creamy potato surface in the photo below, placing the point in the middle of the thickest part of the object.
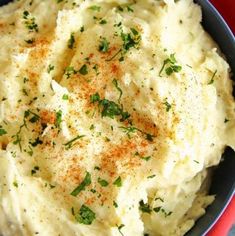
(112, 111)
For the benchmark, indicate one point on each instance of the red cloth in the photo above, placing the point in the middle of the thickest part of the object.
(224, 224)
(227, 10)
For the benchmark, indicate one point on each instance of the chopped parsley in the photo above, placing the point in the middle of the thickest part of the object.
(82, 186)
(129, 40)
(168, 105)
(2, 131)
(95, 68)
(34, 118)
(162, 210)
(36, 142)
(115, 83)
(30, 41)
(29, 22)
(151, 176)
(85, 216)
(95, 98)
(129, 130)
(226, 120)
(97, 168)
(118, 182)
(71, 41)
(95, 8)
(65, 97)
(129, 9)
(70, 71)
(171, 66)
(70, 143)
(58, 118)
(15, 184)
(119, 228)
(212, 78)
(115, 204)
(103, 182)
(147, 158)
(83, 70)
(109, 108)
(50, 68)
(144, 207)
(104, 45)
(34, 170)
(103, 21)
(82, 29)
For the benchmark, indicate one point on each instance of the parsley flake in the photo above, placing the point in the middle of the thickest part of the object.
(58, 118)
(144, 207)
(85, 216)
(95, 8)
(103, 182)
(172, 66)
(2, 132)
(50, 68)
(104, 45)
(65, 97)
(29, 22)
(118, 182)
(82, 186)
(83, 70)
(70, 143)
(71, 41)
(115, 83)
(212, 78)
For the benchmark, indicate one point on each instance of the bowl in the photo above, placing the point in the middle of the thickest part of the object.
(223, 181)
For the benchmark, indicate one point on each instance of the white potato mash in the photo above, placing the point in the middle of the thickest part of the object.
(112, 111)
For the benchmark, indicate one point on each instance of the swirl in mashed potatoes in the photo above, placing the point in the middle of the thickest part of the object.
(112, 111)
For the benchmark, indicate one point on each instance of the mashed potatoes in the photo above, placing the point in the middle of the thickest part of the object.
(112, 111)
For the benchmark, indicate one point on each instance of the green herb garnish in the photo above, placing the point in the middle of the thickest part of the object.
(71, 41)
(34, 170)
(119, 228)
(86, 216)
(83, 70)
(82, 186)
(95, 8)
(70, 71)
(50, 68)
(129, 40)
(144, 207)
(115, 204)
(115, 83)
(65, 97)
(58, 118)
(212, 78)
(36, 142)
(109, 108)
(103, 182)
(168, 105)
(171, 66)
(2, 132)
(104, 45)
(29, 22)
(30, 41)
(102, 22)
(118, 182)
(70, 143)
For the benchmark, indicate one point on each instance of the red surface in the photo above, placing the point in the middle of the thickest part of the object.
(227, 10)
(224, 224)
